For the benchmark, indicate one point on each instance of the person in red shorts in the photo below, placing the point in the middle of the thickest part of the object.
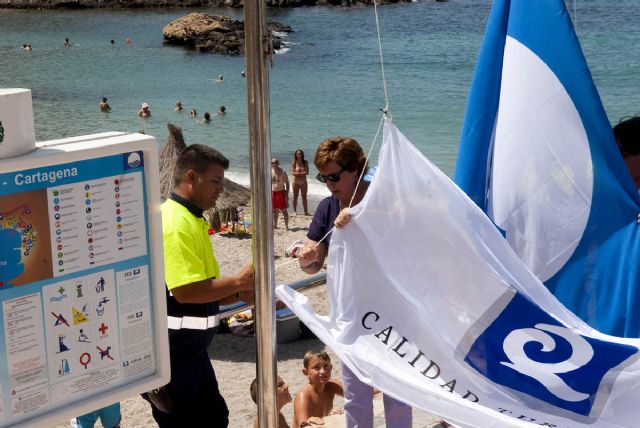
(279, 193)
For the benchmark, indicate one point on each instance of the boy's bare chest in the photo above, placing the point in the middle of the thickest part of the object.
(321, 404)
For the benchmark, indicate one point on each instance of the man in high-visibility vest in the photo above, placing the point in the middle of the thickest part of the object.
(194, 292)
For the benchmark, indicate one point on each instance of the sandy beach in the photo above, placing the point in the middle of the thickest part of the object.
(234, 358)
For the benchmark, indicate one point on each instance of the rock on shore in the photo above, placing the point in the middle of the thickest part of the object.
(85, 4)
(210, 33)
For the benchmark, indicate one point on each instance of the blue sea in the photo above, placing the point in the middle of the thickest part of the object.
(326, 81)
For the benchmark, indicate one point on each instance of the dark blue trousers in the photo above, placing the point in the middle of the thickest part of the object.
(194, 390)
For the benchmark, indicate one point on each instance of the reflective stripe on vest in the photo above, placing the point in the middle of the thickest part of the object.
(193, 323)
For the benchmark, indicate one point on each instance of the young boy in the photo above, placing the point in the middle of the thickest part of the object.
(283, 397)
(316, 398)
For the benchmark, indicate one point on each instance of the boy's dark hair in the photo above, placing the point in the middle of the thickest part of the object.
(253, 390)
(311, 355)
(627, 134)
(199, 158)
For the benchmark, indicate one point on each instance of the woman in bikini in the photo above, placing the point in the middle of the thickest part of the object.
(299, 170)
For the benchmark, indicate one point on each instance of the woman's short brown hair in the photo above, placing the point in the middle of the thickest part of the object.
(345, 151)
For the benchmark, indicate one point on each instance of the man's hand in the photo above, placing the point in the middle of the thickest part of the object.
(247, 296)
(245, 278)
(242, 287)
(221, 290)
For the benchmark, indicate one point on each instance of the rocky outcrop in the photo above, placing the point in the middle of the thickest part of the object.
(210, 33)
(83, 4)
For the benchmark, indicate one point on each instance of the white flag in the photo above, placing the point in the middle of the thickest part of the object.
(432, 306)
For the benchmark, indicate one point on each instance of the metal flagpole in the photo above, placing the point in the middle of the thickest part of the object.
(256, 50)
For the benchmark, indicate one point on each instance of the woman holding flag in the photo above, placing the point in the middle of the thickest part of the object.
(342, 163)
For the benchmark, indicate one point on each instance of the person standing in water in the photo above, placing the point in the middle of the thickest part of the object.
(104, 105)
(144, 110)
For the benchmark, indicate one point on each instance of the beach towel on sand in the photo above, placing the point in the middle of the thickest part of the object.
(431, 305)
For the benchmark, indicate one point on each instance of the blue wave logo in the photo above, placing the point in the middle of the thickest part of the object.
(134, 160)
(58, 298)
(528, 351)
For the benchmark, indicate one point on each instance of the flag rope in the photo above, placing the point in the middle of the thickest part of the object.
(384, 79)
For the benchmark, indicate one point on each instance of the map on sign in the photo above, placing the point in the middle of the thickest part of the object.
(24, 227)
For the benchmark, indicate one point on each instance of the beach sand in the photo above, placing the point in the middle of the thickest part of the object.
(234, 358)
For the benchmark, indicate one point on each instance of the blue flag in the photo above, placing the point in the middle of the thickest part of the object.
(537, 154)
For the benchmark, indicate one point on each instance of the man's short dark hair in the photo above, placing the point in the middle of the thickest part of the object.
(627, 134)
(199, 158)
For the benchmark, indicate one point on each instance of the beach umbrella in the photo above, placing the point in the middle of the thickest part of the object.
(168, 156)
(226, 209)
(233, 197)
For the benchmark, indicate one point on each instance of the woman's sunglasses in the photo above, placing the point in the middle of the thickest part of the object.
(334, 178)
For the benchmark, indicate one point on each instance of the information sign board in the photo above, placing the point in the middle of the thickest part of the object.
(82, 298)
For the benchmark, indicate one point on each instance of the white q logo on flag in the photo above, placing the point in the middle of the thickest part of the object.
(547, 373)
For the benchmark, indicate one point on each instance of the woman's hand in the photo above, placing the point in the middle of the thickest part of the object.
(308, 255)
(311, 257)
(343, 218)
